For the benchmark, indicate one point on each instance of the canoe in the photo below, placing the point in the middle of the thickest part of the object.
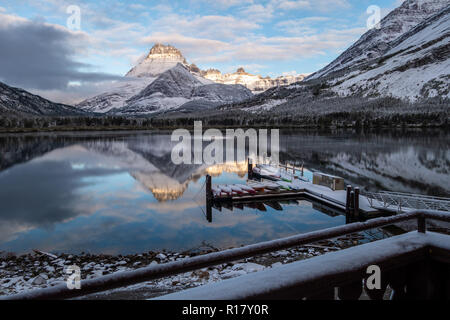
(284, 185)
(216, 191)
(246, 188)
(225, 189)
(286, 177)
(266, 174)
(269, 168)
(236, 189)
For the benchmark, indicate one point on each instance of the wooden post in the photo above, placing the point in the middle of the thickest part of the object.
(209, 194)
(347, 199)
(209, 211)
(209, 198)
(249, 168)
(352, 203)
(302, 169)
(356, 205)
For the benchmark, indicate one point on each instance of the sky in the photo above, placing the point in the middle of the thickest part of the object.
(47, 50)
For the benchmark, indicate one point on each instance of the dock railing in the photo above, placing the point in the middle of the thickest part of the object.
(399, 201)
(127, 278)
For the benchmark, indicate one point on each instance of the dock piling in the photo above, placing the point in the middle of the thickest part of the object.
(356, 204)
(209, 198)
(350, 214)
(209, 194)
(347, 199)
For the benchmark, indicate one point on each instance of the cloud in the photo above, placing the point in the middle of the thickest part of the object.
(320, 5)
(257, 49)
(258, 13)
(40, 56)
(137, 6)
(209, 26)
(187, 44)
(225, 4)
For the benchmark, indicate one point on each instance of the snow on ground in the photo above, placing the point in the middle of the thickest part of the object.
(268, 105)
(116, 96)
(158, 103)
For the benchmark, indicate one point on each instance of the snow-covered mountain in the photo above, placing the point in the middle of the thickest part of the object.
(160, 59)
(178, 86)
(376, 42)
(163, 81)
(255, 83)
(15, 101)
(411, 66)
(416, 65)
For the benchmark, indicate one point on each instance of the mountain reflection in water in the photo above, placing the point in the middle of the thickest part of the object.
(121, 193)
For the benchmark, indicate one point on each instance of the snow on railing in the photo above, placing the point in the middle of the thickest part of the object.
(406, 201)
(345, 270)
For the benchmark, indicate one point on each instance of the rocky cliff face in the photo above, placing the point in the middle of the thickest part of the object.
(160, 59)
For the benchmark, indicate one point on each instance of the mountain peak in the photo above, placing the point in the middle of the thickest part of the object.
(161, 50)
(159, 59)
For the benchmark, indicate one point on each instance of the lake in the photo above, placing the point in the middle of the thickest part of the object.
(120, 193)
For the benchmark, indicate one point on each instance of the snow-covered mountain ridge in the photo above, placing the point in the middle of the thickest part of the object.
(376, 42)
(255, 83)
(15, 101)
(416, 66)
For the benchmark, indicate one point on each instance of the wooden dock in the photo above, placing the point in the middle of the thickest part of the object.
(348, 202)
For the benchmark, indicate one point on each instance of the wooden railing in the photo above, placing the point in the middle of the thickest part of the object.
(413, 265)
(127, 278)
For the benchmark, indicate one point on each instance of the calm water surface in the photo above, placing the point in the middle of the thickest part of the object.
(120, 193)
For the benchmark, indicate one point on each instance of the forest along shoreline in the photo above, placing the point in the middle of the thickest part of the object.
(327, 112)
(353, 125)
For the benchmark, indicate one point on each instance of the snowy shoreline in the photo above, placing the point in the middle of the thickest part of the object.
(37, 270)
